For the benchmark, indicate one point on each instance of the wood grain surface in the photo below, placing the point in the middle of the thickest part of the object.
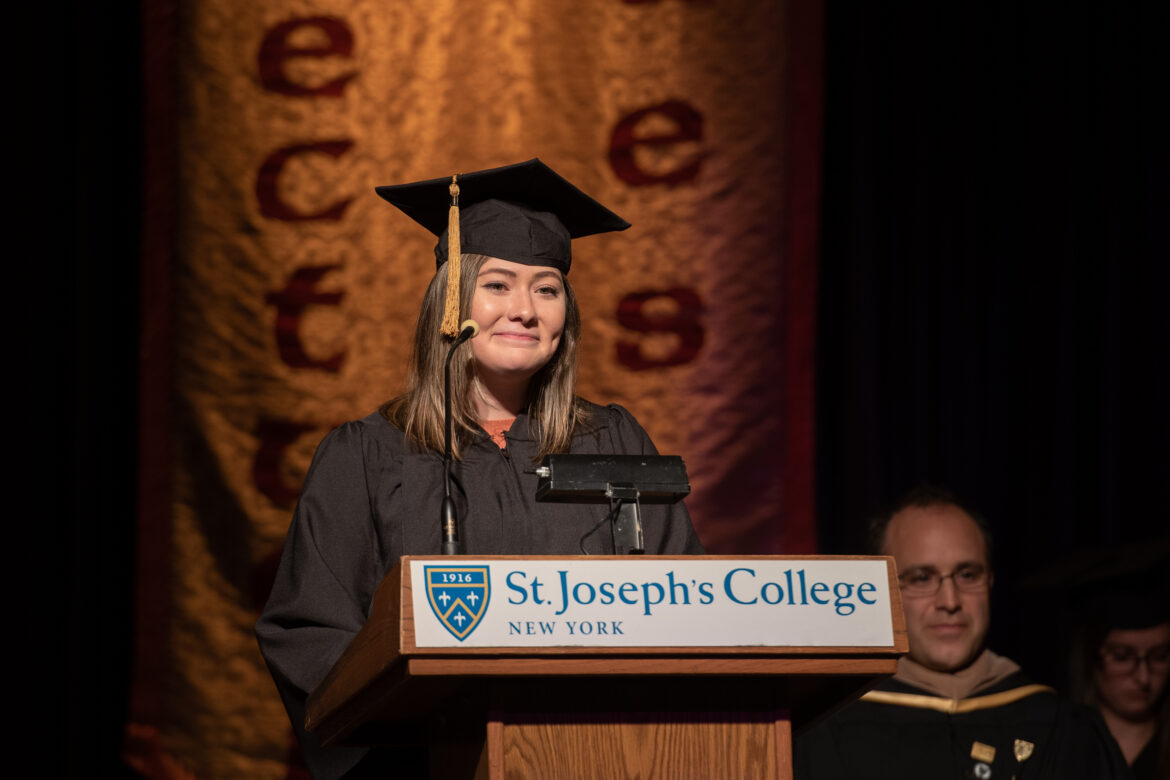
(632, 745)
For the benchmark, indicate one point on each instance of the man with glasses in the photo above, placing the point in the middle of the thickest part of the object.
(954, 709)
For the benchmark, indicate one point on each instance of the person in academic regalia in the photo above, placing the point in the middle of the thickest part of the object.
(374, 489)
(954, 709)
(1121, 666)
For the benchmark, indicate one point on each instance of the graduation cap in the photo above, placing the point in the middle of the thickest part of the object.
(1111, 586)
(525, 213)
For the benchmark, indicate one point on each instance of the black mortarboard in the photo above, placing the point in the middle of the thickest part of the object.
(525, 213)
(1113, 586)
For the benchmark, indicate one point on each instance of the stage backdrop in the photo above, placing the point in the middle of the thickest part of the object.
(293, 289)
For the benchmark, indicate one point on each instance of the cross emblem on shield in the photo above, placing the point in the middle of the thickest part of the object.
(459, 596)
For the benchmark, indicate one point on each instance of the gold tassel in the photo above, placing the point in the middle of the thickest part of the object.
(450, 325)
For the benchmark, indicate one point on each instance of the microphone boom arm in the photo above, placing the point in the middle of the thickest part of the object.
(449, 524)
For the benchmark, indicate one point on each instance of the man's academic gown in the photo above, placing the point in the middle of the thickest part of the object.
(369, 498)
(1011, 729)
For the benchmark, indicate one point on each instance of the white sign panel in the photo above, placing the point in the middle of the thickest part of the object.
(651, 603)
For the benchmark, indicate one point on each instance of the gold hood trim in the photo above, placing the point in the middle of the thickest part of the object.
(955, 706)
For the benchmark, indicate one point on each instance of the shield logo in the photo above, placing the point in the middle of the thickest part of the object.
(459, 596)
(1023, 749)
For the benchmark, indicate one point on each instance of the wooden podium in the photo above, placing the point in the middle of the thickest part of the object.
(587, 712)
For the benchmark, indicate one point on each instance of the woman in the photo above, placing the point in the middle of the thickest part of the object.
(1122, 663)
(374, 489)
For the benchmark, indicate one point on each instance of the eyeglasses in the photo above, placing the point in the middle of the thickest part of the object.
(1120, 660)
(925, 581)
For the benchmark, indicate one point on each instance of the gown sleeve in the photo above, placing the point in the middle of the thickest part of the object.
(1081, 748)
(326, 579)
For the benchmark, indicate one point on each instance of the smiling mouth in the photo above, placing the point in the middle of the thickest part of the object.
(949, 628)
(518, 336)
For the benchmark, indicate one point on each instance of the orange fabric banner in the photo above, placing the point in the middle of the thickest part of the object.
(296, 288)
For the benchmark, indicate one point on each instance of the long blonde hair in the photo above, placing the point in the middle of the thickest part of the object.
(554, 411)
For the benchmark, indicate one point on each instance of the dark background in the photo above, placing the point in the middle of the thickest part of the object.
(993, 267)
(993, 262)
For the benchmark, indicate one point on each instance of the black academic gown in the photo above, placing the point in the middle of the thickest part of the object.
(1052, 737)
(369, 499)
(1145, 765)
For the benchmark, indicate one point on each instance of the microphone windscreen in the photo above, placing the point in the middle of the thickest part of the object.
(470, 324)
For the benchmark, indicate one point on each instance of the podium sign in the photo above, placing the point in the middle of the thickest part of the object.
(650, 602)
(608, 666)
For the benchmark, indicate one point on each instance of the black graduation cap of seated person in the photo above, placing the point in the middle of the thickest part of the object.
(525, 213)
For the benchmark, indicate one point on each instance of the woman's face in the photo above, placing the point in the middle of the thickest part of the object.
(521, 314)
(1131, 672)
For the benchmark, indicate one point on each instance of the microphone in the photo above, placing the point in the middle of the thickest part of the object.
(468, 330)
(448, 522)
